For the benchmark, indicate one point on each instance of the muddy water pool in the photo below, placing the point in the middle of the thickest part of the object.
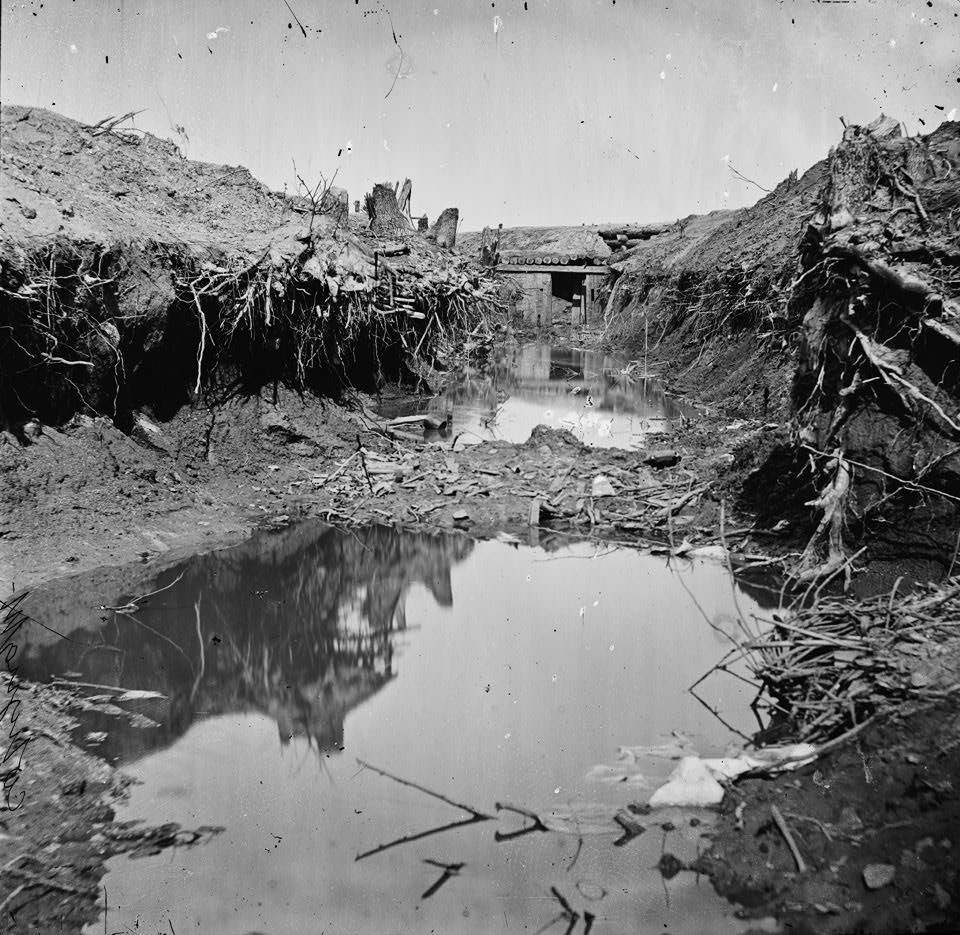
(595, 396)
(489, 672)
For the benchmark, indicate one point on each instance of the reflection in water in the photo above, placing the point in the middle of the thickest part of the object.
(591, 394)
(484, 672)
(299, 626)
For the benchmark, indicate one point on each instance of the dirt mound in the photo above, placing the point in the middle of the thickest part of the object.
(67, 180)
(134, 277)
(701, 293)
(833, 303)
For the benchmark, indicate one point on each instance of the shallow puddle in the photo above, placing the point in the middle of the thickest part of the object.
(595, 396)
(485, 671)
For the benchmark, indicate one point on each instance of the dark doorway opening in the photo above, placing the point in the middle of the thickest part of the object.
(567, 285)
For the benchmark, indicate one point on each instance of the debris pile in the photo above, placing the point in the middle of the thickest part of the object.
(835, 666)
(877, 381)
(339, 304)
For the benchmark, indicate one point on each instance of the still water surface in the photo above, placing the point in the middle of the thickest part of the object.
(486, 671)
(591, 394)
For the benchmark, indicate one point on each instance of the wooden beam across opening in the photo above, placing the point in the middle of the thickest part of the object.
(524, 268)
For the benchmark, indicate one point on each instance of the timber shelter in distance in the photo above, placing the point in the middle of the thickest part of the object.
(560, 271)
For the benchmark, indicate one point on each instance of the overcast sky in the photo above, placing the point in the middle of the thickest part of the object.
(536, 112)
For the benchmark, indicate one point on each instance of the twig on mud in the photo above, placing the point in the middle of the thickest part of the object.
(115, 689)
(319, 482)
(363, 463)
(134, 604)
(830, 832)
(109, 124)
(14, 893)
(781, 824)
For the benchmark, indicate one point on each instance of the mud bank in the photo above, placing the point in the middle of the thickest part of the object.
(58, 827)
(133, 279)
(831, 306)
(876, 825)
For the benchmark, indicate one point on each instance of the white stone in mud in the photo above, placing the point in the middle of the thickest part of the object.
(691, 784)
(877, 876)
(602, 487)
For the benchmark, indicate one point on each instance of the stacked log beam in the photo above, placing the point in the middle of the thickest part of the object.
(626, 236)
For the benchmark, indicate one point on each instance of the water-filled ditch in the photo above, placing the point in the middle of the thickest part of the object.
(489, 672)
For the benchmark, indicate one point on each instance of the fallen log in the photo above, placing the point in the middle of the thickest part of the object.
(428, 419)
(632, 231)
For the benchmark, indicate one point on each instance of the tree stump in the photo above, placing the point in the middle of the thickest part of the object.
(385, 216)
(444, 231)
(490, 247)
(403, 202)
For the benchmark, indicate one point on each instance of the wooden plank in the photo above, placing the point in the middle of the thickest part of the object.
(428, 419)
